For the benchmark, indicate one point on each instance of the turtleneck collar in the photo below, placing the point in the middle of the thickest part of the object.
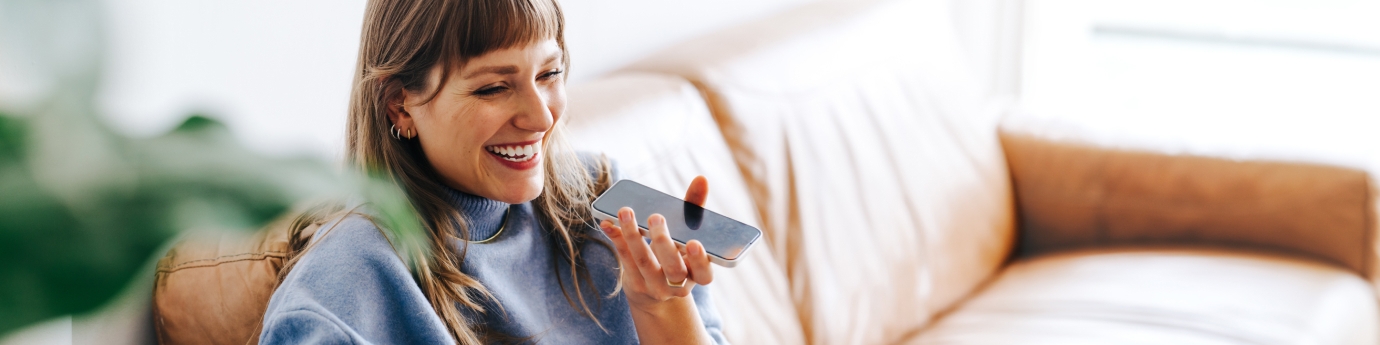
(484, 216)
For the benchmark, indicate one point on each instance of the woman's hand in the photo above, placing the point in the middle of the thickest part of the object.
(657, 278)
(659, 271)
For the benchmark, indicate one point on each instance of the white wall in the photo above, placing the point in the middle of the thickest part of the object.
(278, 72)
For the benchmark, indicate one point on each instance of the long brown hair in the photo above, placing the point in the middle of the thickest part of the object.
(402, 41)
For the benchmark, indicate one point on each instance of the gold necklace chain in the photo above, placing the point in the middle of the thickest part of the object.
(500, 228)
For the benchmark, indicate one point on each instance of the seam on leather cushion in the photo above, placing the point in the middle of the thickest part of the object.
(217, 260)
(1369, 227)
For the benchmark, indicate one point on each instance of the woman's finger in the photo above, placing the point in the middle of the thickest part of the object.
(630, 272)
(698, 191)
(698, 262)
(672, 267)
(616, 236)
(611, 231)
(639, 252)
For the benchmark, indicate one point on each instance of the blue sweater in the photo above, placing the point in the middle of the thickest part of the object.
(351, 287)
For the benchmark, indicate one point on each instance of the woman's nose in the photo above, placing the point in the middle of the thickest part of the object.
(533, 112)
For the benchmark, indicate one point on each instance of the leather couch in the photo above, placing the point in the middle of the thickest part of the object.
(899, 205)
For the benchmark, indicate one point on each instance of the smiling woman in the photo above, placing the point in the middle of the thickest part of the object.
(502, 105)
(461, 103)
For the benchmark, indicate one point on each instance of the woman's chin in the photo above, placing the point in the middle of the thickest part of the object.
(517, 192)
(510, 185)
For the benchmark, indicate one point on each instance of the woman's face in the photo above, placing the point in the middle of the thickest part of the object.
(485, 131)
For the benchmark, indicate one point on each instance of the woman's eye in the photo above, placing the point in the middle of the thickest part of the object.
(488, 91)
(549, 75)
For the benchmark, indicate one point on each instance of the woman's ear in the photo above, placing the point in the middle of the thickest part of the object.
(398, 115)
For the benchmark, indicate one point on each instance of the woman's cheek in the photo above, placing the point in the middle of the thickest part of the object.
(556, 101)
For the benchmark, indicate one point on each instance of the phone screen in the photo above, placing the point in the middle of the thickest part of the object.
(721, 236)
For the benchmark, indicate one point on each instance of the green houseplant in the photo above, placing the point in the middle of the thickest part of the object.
(85, 211)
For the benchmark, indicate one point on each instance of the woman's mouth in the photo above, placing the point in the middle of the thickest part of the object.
(515, 153)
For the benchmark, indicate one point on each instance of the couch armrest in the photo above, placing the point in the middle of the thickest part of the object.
(1074, 194)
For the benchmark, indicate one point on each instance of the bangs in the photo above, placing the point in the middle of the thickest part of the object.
(488, 25)
(460, 30)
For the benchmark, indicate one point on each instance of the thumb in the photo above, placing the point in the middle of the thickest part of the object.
(698, 191)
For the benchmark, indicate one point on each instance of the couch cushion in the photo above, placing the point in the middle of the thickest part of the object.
(872, 157)
(1078, 189)
(1166, 296)
(660, 133)
(214, 288)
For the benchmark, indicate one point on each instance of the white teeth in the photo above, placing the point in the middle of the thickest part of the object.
(516, 153)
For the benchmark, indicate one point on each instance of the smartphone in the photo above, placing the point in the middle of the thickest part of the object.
(725, 239)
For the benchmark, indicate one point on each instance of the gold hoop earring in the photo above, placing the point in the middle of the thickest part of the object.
(393, 131)
(409, 134)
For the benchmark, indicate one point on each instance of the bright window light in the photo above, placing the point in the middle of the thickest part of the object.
(1284, 79)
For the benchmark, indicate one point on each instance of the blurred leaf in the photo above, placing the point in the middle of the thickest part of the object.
(62, 256)
(83, 209)
(11, 138)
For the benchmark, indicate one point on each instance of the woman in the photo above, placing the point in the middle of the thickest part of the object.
(460, 102)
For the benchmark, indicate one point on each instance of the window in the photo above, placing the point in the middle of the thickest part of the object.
(1298, 78)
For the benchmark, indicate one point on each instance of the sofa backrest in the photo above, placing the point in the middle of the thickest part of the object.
(871, 154)
(214, 288)
(1077, 188)
(659, 132)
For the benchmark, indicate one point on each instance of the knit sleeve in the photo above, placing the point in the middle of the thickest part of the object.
(713, 323)
(350, 286)
(304, 326)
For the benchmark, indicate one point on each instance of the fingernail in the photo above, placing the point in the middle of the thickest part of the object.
(622, 215)
(658, 221)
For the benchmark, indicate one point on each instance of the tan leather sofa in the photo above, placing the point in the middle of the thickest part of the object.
(901, 206)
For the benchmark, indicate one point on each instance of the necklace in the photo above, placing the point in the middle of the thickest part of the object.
(500, 228)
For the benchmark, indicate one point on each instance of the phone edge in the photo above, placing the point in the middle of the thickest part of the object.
(714, 258)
